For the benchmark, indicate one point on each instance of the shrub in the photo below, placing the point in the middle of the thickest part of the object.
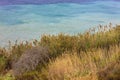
(58, 44)
(30, 60)
(17, 50)
(3, 61)
(81, 42)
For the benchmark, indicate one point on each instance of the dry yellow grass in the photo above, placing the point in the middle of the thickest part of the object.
(71, 66)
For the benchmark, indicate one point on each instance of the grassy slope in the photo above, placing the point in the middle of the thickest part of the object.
(93, 56)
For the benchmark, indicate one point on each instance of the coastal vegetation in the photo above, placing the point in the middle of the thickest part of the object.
(93, 55)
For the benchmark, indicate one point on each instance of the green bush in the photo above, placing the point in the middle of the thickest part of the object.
(3, 61)
(81, 42)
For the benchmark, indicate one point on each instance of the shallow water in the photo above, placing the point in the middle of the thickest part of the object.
(27, 22)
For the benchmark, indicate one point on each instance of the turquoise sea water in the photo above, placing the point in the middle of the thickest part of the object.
(27, 22)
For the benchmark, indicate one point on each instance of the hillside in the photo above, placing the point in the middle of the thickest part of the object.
(93, 55)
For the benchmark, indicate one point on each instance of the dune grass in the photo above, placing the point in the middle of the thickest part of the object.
(93, 55)
(86, 66)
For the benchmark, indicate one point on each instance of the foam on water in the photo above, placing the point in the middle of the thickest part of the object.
(26, 22)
